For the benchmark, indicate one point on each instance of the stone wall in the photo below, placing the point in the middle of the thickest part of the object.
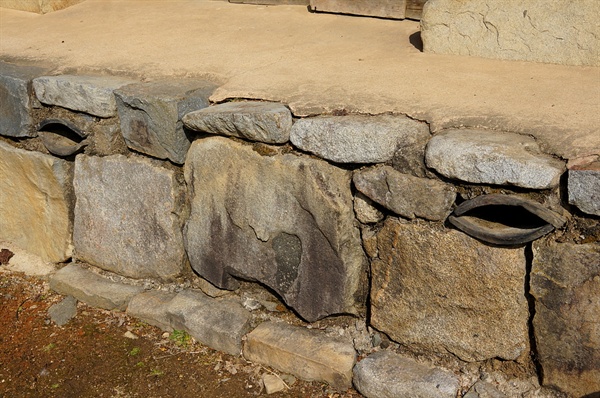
(452, 264)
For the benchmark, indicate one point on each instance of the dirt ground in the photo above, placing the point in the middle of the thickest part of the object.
(91, 356)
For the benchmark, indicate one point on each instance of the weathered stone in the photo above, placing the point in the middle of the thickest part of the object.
(388, 375)
(36, 201)
(92, 289)
(366, 213)
(310, 355)
(563, 32)
(357, 139)
(89, 94)
(584, 187)
(218, 324)
(129, 216)
(482, 389)
(152, 307)
(565, 281)
(489, 157)
(276, 220)
(17, 100)
(443, 291)
(381, 8)
(151, 113)
(272, 383)
(256, 121)
(63, 311)
(404, 194)
(38, 6)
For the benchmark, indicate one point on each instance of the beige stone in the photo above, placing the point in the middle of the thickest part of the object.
(310, 355)
(38, 6)
(379, 8)
(560, 31)
(35, 202)
(442, 291)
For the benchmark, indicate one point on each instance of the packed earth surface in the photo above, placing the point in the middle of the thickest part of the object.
(102, 353)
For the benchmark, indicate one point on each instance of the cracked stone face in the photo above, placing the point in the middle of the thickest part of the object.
(285, 221)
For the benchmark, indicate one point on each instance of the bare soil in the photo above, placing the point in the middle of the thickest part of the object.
(90, 356)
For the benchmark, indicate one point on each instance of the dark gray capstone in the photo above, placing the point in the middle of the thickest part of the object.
(151, 114)
(256, 121)
(285, 221)
(388, 375)
(17, 99)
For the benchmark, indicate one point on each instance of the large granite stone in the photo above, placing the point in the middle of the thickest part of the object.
(129, 216)
(152, 307)
(561, 32)
(358, 139)
(308, 354)
(151, 113)
(386, 374)
(17, 100)
(36, 202)
(405, 194)
(487, 157)
(443, 291)
(584, 187)
(89, 94)
(565, 281)
(93, 289)
(253, 120)
(285, 221)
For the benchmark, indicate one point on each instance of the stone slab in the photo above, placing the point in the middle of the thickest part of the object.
(357, 139)
(443, 291)
(38, 6)
(218, 324)
(561, 32)
(253, 120)
(307, 354)
(88, 94)
(36, 199)
(583, 184)
(276, 220)
(482, 157)
(385, 374)
(63, 311)
(380, 8)
(405, 194)
(565, 281)
(128, 216)
(151, 113)
(92, 289)
(17, 99)
(152, 307)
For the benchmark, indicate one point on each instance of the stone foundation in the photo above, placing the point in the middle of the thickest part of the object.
(332, 216)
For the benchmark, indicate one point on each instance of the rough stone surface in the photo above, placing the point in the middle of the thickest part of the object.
(277, 220)
(218, 324)
(152, 307)
(565, 281)
(253, 120)
(63, 311)
(365, 212)
(38, 6)
(357, 139)
(404, 194)
(92, 289)
(89, 94)
(310, 355)
(35, 202)
(502, 159)
(17, 100)
(129, 216)
(482, 389)
(584, 188)
(272, 383)
(561, 32)
(381, 8)
(388, 375)
(151, 113)
(443, 291)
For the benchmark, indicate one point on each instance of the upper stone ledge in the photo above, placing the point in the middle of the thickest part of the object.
(360, 65)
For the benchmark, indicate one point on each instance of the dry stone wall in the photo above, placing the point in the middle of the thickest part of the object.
(165, 203)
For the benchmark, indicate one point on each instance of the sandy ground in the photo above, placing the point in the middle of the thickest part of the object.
(313, 62)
